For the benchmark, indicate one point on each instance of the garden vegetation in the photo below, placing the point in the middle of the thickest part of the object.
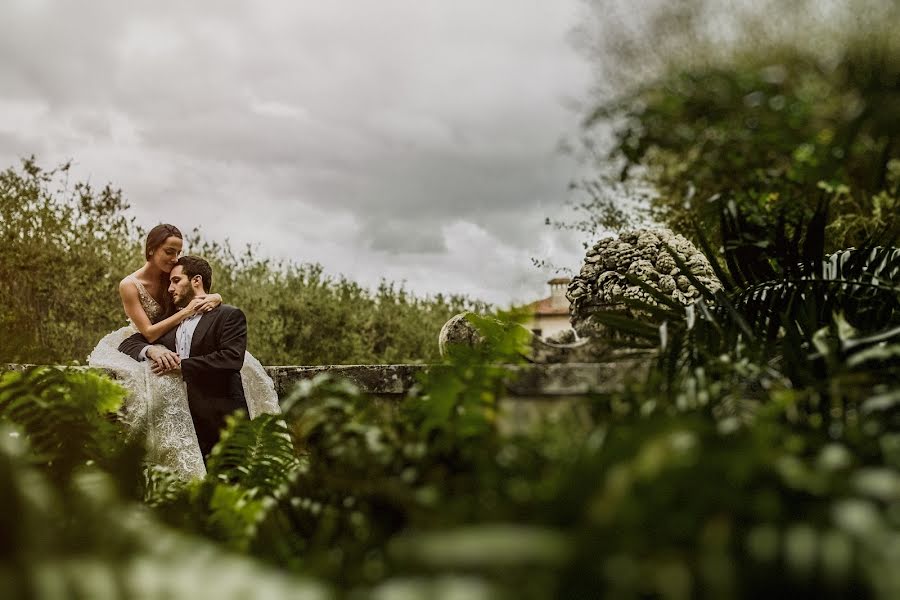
(759, 456)
(66, 247)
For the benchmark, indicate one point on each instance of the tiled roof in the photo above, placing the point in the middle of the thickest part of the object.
(546, 307)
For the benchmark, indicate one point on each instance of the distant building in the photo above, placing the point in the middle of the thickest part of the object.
(551, 315)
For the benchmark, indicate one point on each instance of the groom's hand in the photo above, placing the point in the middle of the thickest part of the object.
(163, 360)
(159, 369)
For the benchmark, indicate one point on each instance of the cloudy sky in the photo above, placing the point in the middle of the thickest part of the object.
(411, 140)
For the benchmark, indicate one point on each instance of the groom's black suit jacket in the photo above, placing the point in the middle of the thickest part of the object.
(212, 372)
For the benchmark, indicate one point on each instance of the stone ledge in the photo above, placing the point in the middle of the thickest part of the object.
(382, 380)
(532, 381)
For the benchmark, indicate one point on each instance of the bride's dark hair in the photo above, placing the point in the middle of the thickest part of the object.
(157, 237)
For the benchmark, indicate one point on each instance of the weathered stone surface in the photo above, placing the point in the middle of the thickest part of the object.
(566, 348)
(458, 331)
(382, 380)
(603, 282)
(573, 379)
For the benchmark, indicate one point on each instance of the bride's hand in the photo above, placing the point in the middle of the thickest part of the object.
(207, 303)
(194, 307)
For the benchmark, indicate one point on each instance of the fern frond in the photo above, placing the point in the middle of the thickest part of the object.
(257, 454)
(67, 415)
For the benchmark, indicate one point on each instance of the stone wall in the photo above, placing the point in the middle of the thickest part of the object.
(537, 393)
(546, 381)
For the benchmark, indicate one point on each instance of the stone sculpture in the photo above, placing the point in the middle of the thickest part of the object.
(646, 254)
(604, 283)
(458, 331)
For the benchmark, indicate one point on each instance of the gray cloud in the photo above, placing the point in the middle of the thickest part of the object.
(394, 234)
(382, 139)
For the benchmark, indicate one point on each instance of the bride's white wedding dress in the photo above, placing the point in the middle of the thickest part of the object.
(157, 405)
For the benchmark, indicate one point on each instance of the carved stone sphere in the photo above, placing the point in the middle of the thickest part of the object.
(458, 332)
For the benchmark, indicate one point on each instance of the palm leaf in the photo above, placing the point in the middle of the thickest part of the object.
(656, 313)
(657, 295)
(686, 271)
(746, 247)
(738, 319)
(813, 249)
(626, 324)
(724, 276)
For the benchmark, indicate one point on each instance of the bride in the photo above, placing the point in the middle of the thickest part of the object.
(157, 405)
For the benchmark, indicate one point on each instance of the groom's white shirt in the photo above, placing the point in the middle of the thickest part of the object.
(183, 337)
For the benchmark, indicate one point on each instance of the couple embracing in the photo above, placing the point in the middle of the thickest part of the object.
(182, 357)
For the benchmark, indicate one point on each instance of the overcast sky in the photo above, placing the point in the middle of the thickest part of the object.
(411, 140)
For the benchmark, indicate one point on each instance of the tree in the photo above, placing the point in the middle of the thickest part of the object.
(65, 248)
(787, 106)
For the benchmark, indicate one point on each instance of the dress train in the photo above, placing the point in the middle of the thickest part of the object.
(157, 408)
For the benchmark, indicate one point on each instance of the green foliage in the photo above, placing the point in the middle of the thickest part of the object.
(254, 454)
(735, 473)
(685, 504)
(771, 118)
(785, 304)
(761, 457)
(67, 247)
(65, 416)
(78, 536)
(110, 549)
(797, 357)
(463, 400)
(369, 473)
(761, 452)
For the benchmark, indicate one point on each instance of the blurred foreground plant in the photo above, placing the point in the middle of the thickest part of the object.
(769, 102)
(68, 529)
(756, 461)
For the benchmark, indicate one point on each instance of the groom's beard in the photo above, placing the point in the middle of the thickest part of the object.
(186, 298)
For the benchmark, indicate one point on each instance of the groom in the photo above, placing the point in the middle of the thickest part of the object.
(208, 349)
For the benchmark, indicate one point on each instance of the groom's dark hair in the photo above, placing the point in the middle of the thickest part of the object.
(193, 266)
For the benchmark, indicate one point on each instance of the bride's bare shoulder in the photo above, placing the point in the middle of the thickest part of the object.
(127, 287)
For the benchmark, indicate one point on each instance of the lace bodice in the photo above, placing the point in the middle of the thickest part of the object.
(153, 308)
